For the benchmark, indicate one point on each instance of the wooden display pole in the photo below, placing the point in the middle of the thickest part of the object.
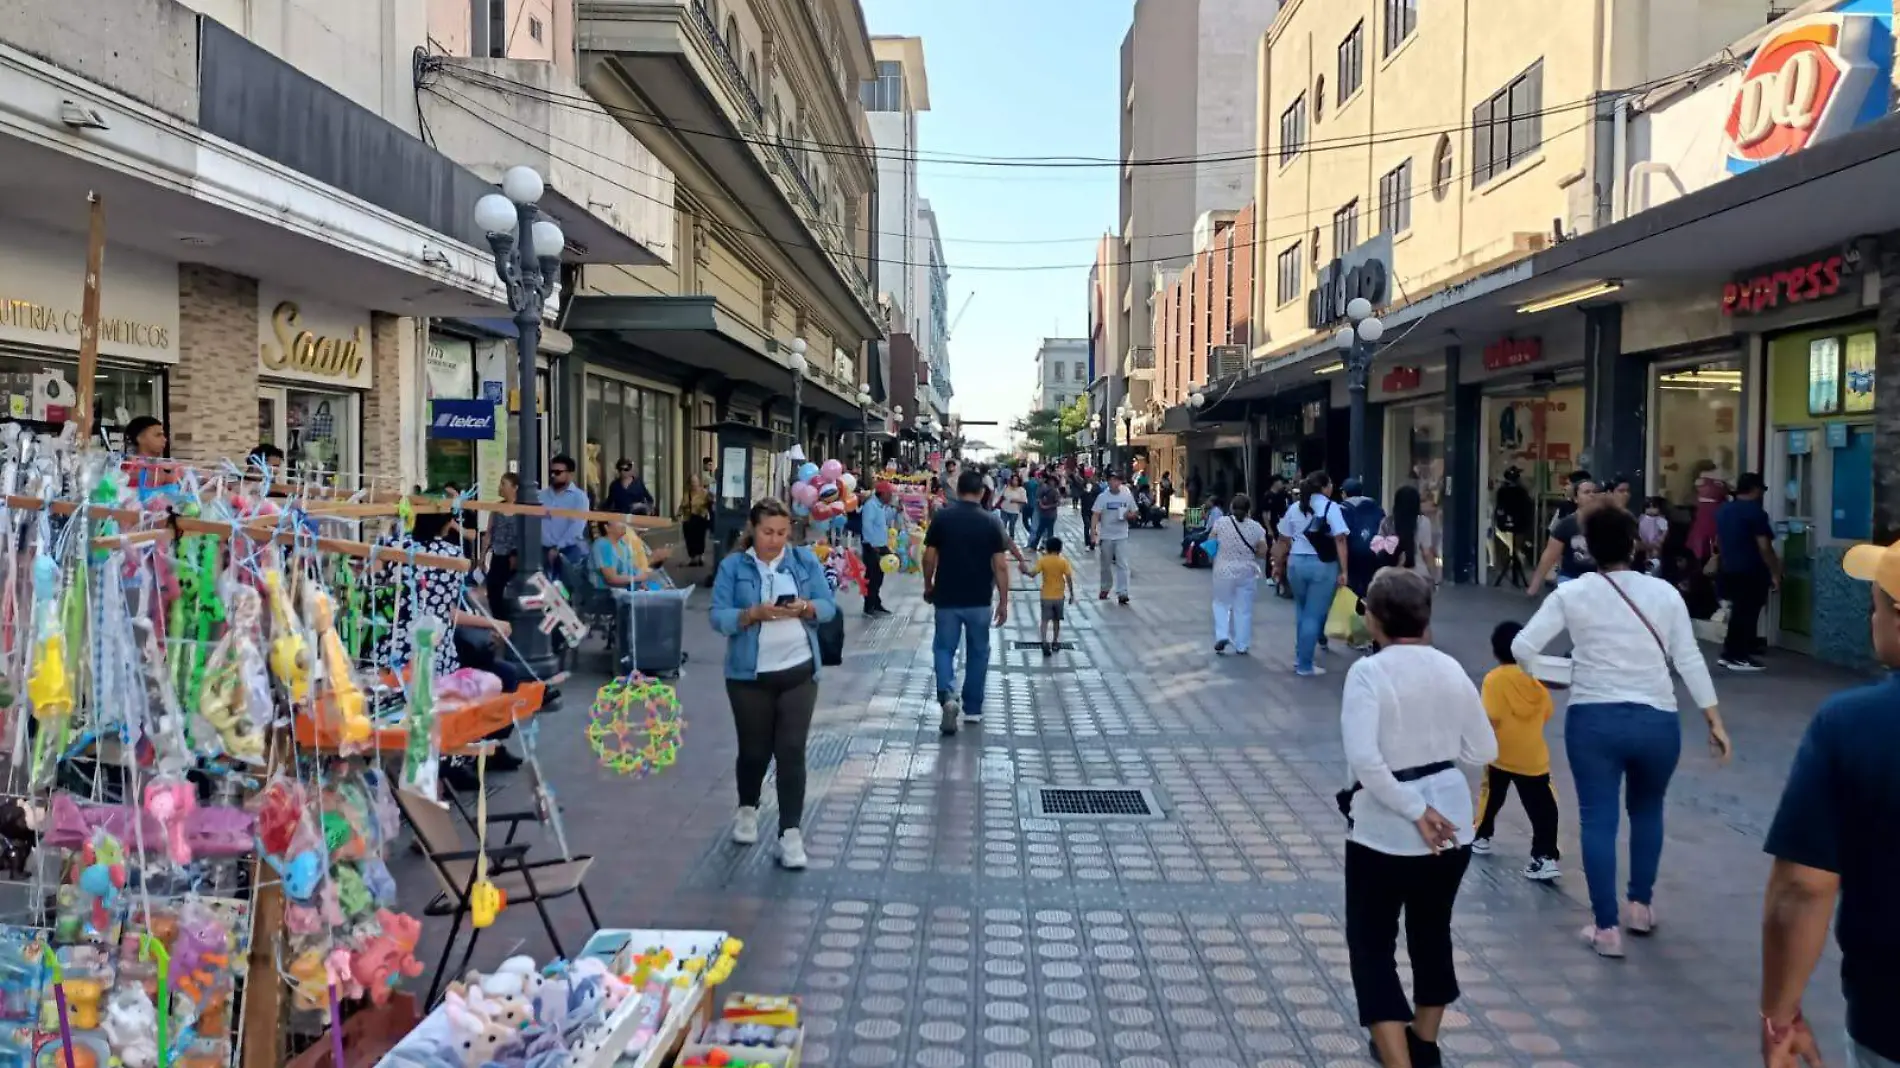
(89, 319)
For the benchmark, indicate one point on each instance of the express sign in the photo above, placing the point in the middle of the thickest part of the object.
(1823, 276)
(1810, 80)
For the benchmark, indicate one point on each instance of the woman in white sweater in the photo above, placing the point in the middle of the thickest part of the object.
(1409, 716)
(1628, 629)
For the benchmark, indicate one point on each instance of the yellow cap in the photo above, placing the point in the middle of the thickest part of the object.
(1878, 564)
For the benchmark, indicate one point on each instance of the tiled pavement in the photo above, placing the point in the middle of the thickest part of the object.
(942, 924)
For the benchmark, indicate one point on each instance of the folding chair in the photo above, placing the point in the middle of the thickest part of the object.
(526, 882)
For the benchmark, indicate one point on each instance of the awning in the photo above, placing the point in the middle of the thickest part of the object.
(691, 339)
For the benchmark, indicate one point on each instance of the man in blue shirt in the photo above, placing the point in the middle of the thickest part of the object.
(878, 516)
(1834, 838)
(565, 539)
(1750, 569)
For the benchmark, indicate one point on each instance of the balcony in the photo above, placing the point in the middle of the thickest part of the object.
(1139, 363)
(666, 58)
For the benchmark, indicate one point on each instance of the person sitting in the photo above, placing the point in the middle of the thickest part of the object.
(621, 559)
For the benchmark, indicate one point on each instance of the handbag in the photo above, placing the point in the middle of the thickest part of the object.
(831, 640)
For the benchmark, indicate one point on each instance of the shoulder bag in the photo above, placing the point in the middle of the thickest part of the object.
(1668, 661)
(1319, 532)
(1252, 553)
(830, 631)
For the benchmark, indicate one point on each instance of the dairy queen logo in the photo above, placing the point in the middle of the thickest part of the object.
(1809, 81)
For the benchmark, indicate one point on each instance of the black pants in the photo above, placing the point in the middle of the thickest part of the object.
(1379, 886)
(873, 577)
(773, 715)
(1747, 592)
(1540, 804)
(694, 528)
(501, 571)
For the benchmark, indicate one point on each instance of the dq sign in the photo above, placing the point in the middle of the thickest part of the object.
(1812, 79)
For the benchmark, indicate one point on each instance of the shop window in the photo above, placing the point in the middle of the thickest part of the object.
(1824, 376)
(41, 393)
(1696, 411)
(1415, 449)
(626, 422)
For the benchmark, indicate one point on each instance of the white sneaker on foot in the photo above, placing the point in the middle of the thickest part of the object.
(1641, 919)
(745, 826)
(1481, 846)
(1607, 941)
(791, 850)
(1541, 869)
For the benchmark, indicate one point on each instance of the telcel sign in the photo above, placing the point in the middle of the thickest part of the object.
(1811, 79)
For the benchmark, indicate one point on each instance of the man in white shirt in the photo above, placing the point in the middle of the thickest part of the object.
(1110, 530)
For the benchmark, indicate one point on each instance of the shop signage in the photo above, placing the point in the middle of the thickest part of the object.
(1401, 379)
(449, 368)
(312, 341)
(43, 274)
(1812, 79)
(1366, 272)
(462, 420)
(1512, 352)
(1814, 278)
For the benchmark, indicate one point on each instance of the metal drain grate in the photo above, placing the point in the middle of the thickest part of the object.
(1097, 802)
(1061, 646)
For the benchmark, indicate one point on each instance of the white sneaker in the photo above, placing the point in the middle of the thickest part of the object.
(1481, 846)
(745, 826)
(791, 850)
(1542, 869)
(1313, 672)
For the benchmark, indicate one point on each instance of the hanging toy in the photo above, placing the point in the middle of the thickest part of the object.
(236, 687)
(634, 725)
(485, 899)
(172, 803)
(422, 753)
(47, 683)
(290, 657)
(200, 950)
(102, 875)
(353, 726)
(132, 1027)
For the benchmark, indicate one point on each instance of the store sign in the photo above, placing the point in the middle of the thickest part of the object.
(1512, 352)
(449, 368)
(1366, 272)
(1813, 79)
(1401, 379)
(42, 276)
(312, 341)
(1815, 278)
(462, 420)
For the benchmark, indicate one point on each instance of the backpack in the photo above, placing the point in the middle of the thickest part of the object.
(1319, 532)
(1363, 520)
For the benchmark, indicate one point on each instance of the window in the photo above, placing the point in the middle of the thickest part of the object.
(752, 71)
(1401, 21)
(1346, 229)
(625, 422)
(1507, 128)
(1287, 284)
(1395, 199)
(1319, 99)
(1441, 167)
(1293, 129)
(886, 91)
(1352, 62)
(732, 33)
(1056, 365)
(1081, 371)
(534, 27)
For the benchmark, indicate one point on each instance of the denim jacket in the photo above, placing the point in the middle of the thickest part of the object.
(739, 585)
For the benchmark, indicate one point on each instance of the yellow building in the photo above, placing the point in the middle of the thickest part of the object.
(1473, 132)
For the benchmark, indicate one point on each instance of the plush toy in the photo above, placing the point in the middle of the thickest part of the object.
(387, 956)
(477, 1039)
(200, 951)
(614, 989)
(82, 1002)
(312, 980)
(132, 1026)
(516, 975)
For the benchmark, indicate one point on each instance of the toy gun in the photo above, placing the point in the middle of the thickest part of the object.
(420, 753)
(290, 657)
(353, 728)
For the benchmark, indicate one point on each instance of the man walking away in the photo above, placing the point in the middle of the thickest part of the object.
(878, 516)
(1091, 492)
(1110, 518)
(1048, 504)
(963, 569)
(1833, 838)
(1750, 569)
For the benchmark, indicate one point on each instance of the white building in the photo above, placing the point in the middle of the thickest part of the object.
(1062, 371)
(931, 322)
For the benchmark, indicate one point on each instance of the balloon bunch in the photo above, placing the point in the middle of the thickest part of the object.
(907, 550)
(824, 494)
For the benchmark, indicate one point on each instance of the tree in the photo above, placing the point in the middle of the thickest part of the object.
(1075, 418)
(1043, 430)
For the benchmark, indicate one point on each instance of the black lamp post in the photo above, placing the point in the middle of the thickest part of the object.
(528, 259)
(1357, 339)
(864, 431)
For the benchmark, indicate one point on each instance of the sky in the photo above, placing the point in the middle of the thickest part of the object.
(1014, 78)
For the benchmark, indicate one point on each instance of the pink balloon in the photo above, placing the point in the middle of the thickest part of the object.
(805, 493)
(831, 470)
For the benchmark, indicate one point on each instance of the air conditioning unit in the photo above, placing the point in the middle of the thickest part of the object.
(1226, 360)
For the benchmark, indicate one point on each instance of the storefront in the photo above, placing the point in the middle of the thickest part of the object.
(313, 368)
(627, 418)
(1531, 423)
(449, 456)
(1412, 398)
(42, 274)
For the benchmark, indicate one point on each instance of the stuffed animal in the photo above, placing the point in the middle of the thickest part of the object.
(132, 1026)
(516, 975)
(477, 1039)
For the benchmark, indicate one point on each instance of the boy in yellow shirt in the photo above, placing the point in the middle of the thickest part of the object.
(1518, 707)
(1057, 575)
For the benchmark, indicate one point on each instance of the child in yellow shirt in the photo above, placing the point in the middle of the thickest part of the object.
(1518, 707)
(1057, 575)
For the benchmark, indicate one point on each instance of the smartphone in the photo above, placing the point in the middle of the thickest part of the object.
(785, 600)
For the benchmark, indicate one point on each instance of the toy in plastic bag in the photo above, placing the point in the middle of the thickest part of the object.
(236, 700)
(423, 753)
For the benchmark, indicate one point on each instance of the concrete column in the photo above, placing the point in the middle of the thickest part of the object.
(1467, 505)
(392, 352)
(1887, 400)
(213, 402)
(1616, 399)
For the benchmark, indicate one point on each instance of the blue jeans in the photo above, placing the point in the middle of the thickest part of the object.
(1045, 529)
(1313, 581)
(969, 627)
(566, 557)
(1606, 743)
(1009, 523)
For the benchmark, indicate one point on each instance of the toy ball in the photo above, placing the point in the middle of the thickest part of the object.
(821, 551)
(827, 491)
(807, 471)
(831, 470)
(849, 481)
(804, 493)
(888, 563)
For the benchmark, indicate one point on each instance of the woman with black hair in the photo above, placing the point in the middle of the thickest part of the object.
(1315, 563)
(1629, 630)
(1410, 541)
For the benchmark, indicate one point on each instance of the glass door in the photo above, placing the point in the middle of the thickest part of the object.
(270, 416)
(1794, 480)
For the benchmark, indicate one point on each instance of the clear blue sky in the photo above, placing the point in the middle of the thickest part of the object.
(1015, 78)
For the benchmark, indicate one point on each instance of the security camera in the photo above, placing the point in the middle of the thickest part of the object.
(80, 117)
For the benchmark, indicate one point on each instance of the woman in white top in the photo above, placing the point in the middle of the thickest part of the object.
(1628, 630)
(1317, 530)
(1015, 495)
(1241, 545)
(1409, 716)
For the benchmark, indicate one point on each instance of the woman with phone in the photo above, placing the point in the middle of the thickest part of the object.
(768, 600)
(1409, 716)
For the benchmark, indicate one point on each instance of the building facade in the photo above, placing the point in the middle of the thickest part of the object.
(1062, 372)
(933, 304)
(1203, 329)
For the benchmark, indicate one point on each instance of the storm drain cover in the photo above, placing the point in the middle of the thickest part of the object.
(1062, 646)
(1108, 802)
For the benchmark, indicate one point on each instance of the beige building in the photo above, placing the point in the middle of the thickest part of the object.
(1471, 132)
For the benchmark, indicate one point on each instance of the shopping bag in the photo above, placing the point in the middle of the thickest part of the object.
(1339, 618)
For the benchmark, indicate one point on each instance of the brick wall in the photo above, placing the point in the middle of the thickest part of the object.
(1242, 237)
(391, 348)
(213, 411)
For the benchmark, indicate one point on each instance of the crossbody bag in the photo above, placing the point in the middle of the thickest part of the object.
(1668, 661)
(1557, 671)
(1252, 553)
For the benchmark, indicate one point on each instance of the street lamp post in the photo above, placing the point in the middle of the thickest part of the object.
(1095, 438)
(798, 365)
(864, 431)
(1357, 339)
(528, 260)
(1123, 415)
(897, 417)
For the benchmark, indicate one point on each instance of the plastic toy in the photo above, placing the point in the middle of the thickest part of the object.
(422, 750)
(613, 736)
(216, 832)
(234, 696)
(172, 803)
(387, 956)
(290, 659)
(311, 979)
(48, 686)
(200, 950)
(353, 726)
(102, 876)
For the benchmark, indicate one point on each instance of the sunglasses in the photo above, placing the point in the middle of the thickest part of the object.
(623, 470)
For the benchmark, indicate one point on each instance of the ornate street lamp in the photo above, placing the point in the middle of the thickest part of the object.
(798, 365)
(1357, 340)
